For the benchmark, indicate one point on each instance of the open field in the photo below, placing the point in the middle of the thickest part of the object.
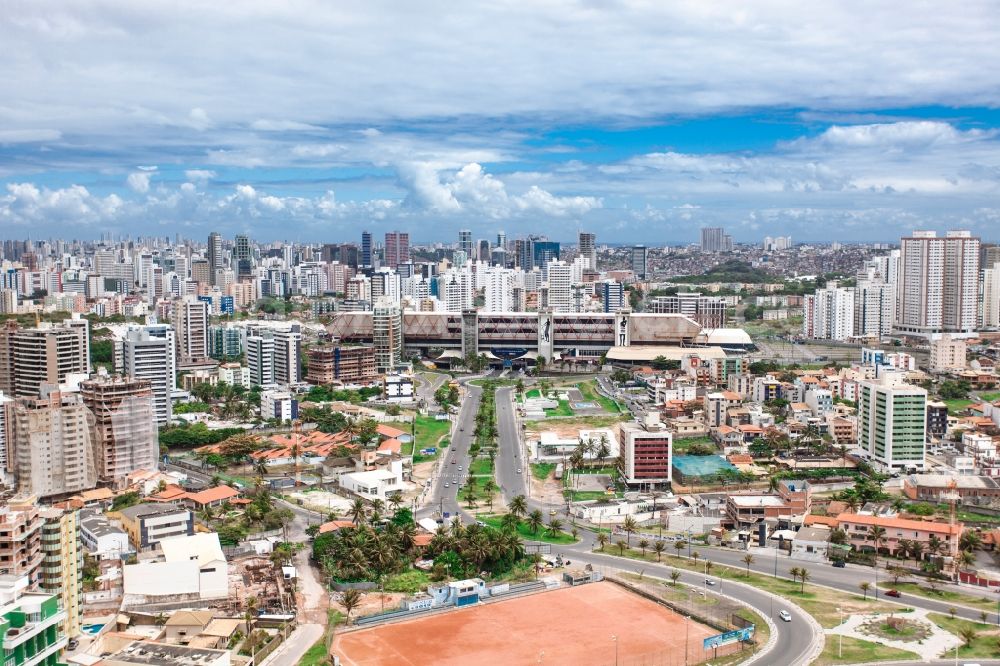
(856, 651)
(513, 632)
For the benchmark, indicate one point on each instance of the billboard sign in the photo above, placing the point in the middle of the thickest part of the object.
(712, 642)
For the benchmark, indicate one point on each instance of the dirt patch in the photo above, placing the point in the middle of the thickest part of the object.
(535, 627)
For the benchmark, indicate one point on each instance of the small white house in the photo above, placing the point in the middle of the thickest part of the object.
(193, 567)
(377, 484)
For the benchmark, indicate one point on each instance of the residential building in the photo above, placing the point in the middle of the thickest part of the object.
(46, 354)
(709, 311)
(377, 484)
(938, 287)
(937, 419)
(225, 342)
(6, 439)
(560, 280)
(101, 538)
(214, 254)
(947, 354)
(62, 564)
(54, 445)
(829, 313)
(715, 239)
(189, 317)
(147, 353)
(387, 336)
(125, 434)
(331, 363)
(639, 260)
(21, 539)
(499, 291)
(273, 355)
(990, 317)
(858, 528)
(874, 308)
(612, 295)
(279, 405)
(31, 625)
(366, 249)
(647, 448)
(892, 422)
(971, 489)
(587, 248)
(397, 248)
(148, 524)
(234, 374)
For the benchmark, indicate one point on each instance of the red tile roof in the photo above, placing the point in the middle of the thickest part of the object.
(335, 525)
(901, 523)
(209, 495)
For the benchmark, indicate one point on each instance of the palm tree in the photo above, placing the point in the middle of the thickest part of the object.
(916, 549)
(555, 525)
(659, 547)
(679, 546)
(629, 526)
(694, 556)
(378, 507)
(708, 567)
(935, 545)
(489, 488)
(970, 540)
(395, 500)
(803, 577)
(966, 559)
(968, 634)
(207, 514)
(643, 545)
(794, 572)
(602, 539)
(896, 573)
(865, 586)
(518, 506)
(535, 521)
(358, 511)
(674, 576)
(852, 502)
(748, 560)
(350, 599)
(876, 535)
(621, 546)
(470, 494)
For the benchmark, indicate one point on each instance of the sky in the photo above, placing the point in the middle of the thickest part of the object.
(310, 120)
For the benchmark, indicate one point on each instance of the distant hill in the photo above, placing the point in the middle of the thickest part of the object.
(729, 271)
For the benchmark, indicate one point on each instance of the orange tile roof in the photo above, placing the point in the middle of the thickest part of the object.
(335, 525)
(820, 520)
(389, 431)
(393, 445)
(731, 395)
(422, 540)
(219, 493)
(169, 494)
(749, 427)
(901, 523)
(740, 459)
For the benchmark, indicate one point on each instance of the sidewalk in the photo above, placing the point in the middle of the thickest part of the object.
(937, 642)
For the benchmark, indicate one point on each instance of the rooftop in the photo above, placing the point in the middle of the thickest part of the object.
(701, 465)
(162, 654)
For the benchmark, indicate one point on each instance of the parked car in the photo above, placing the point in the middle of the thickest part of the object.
(840, 564)
(893, 593)
(785, 615)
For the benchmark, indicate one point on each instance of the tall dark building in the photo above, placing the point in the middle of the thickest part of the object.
(214, 254)
(543, 251)
(366, 249)
(397, 248)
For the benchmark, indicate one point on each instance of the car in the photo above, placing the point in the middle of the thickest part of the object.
(840, 564)
(785, 615)
(459, 468)
(893, 593)
(447, 485)
(709, 582)
(453, 461)
(518, 470)
(73, 644)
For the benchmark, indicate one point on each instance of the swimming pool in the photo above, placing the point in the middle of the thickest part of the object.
(92, 629)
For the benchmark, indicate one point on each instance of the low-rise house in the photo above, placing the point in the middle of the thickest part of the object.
(184, 625)
(858, 528)
(192, 568)
(811, 543)
(376, 484)
(148, 524)
(972, 490)
(102, 538)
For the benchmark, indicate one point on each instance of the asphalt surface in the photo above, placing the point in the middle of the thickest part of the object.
(511, 455)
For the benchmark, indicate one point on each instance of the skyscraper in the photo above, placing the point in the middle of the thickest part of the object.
(640, 255)
(588, 248)
(124, 426)
(938, 287)
(560, 280)
(397, 248)
(243, 256)
(892, 422)
(45, 355)
(715, 239)
(465, 242)
(147, 352)
(366, 249)
(387, 335)
(214, 253)
(189, 318)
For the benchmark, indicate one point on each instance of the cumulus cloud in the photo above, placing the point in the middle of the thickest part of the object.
(139, 181)
(199, 175)
(27, 135)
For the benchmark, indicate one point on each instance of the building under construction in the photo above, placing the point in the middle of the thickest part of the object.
(124, 426)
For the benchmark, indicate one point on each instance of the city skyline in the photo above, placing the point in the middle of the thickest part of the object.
(650, 133)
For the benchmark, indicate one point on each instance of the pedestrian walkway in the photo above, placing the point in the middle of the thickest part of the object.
(936, 643)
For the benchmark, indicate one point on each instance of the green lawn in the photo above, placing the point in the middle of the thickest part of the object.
(408, 582)
(990, 397)
(525, 532)
(442, 445)
(430, 432)
(957, 405)
(681, 445)
(589, 391)
(585, 495)
(591, 421)
(481, 467)
(983, 645)
(542, 471)
(533, 393)
(479, 493)
(562, 410)
(921, 590)
(856, 651)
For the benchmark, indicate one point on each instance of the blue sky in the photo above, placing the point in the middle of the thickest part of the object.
(640, 121)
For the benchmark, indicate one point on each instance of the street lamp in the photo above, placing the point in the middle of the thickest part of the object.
(840, 649)
(614, 637)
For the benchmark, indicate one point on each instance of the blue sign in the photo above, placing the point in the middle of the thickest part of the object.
(744, 634)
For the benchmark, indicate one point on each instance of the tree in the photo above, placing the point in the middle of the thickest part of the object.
(794, 573)
(970, 540)
(674, 576)
(535, 521)
(621, 546)
(935, 545)
(951, 611)
(968, 635)
(358, 511)
(489, 488)
(694, 556)
(518, 506)
(865, 586)
(966, 559)
(708, 567)
(896, 573)
(838, 536)
(629, 526)
(876, 535)
(748, 560)
(602, 539)
(350, 599)
(679, 546)
(643, 545)
(555, 525)
(659, 547)
(803, 577)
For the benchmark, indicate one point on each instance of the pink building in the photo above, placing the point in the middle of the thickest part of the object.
(896, 530)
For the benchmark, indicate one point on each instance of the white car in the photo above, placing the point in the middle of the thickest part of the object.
(785, 615)
(518, 470)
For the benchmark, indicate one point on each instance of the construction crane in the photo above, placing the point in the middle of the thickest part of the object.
(952, 497)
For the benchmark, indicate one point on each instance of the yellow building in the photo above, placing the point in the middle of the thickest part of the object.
(62, 566)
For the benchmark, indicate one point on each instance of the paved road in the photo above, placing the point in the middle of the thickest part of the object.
(511, 456)
(294, 648)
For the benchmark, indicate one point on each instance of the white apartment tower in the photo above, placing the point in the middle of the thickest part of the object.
(560, 278)
(829, 313)
(190, 318)
(499, 290)
(147, 352)
(938, 288)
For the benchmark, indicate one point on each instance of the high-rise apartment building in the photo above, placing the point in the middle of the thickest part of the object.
(647, 451)
(588, 248)
(53, 444)
(21, 539)
(715, 239)
(147, 353)
(560, 282)
(465, 242)
(397, 248)
(938, 288)
(499, 290)
(990, 317)
(612, 295)
(62, 564)
(124, 426)
(273, 355)
(639, 259)
(328, 364)
(874, 308)
(243, 256)
(829, 313)
(387, 336)
(947, 354)
(892, 422)
(44, 355)
(190, 318)
(214, 254)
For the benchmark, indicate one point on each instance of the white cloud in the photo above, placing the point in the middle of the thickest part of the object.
(139, 181)
(199, 175)
(27, 135)
(263, 125)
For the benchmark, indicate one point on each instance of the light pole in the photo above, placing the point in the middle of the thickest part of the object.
(687, 633)
(840, 648)
(614, 637)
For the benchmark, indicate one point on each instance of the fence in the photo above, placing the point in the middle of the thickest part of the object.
(272, 645)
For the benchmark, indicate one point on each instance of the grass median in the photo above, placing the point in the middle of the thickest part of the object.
(982, 640)
(857, 651)
(524, 531)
